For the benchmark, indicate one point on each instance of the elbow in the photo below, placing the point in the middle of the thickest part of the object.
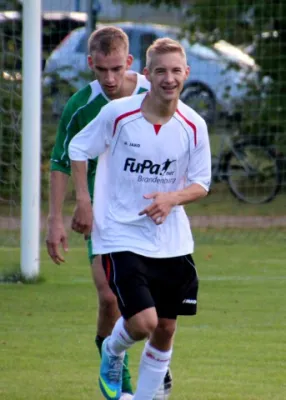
(199, 191)
(202, 189)
(204, 193)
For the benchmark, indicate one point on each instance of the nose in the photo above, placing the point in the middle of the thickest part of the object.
(109, 77)
(169, 78)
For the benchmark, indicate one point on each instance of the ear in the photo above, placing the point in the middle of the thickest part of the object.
(188, 70)
(129, 61)
(146, 72)
(90, 62)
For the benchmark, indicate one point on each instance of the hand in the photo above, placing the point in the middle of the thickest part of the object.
(161, 206)
(83, 217)
(56, 235)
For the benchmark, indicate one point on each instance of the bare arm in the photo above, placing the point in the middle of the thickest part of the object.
(164, 201)
(82, 219)
(59, 176)
(189, 194)
(89, 143)
(58, 189)
(56, 233)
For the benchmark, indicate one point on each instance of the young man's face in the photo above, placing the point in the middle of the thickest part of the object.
(167, 74)
(110, 70)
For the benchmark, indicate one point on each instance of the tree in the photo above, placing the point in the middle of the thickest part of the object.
(242, 22)
(154, 3)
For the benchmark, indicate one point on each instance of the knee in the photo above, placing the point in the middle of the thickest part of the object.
(165, 329)
(107, 300)
(144, 329)
(142, 325)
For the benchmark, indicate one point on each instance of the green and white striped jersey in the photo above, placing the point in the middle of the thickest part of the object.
(82, 108)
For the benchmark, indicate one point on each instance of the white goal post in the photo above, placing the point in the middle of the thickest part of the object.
(31, 139)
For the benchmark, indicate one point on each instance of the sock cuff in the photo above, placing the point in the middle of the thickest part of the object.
(155, 356)
(124, 335)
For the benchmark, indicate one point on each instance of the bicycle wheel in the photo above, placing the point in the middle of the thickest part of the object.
(253, 173)
(200, 98)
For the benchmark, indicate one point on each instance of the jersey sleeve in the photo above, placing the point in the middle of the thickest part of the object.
(94, 138)
(59, 158)
(199, 169)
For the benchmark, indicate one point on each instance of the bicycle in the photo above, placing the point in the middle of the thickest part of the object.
(250, 168)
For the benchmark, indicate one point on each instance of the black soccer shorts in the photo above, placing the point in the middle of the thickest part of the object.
(139, 282)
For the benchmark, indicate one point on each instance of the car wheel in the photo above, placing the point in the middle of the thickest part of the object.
(201, 99)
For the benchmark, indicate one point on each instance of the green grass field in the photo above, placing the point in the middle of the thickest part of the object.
(234, 349)
(218, 202)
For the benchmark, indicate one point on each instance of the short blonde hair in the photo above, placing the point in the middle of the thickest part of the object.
(164, 46)
(108, 39)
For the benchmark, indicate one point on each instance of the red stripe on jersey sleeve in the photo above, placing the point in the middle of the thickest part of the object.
(193, 126)
(118, 119)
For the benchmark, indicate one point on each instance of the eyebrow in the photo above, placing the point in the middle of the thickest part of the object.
(163, 68)
(105, 69)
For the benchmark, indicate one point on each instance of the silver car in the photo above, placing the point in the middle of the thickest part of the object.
(212, 88)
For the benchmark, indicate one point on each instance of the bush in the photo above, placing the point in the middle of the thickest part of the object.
(10, 139)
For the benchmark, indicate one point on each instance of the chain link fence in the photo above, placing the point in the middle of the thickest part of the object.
(236, 51)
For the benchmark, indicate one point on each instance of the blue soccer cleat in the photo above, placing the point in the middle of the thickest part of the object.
(110, 376)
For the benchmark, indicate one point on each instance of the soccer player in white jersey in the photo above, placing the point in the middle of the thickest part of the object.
(110, 61)
(154, 157)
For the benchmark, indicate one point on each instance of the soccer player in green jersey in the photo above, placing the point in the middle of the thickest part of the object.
(110, 61)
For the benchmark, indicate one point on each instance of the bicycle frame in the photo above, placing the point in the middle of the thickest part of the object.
(226, 146)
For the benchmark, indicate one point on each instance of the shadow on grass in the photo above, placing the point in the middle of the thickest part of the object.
(14, 275)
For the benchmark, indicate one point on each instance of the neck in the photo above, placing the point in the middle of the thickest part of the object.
(157, 111)
(128, 86)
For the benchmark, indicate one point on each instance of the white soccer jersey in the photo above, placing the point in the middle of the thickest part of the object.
(138, 158)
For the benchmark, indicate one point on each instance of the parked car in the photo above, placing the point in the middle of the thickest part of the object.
(212, 87)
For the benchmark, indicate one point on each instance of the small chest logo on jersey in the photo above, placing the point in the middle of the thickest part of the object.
(149, 167)
(132, 144)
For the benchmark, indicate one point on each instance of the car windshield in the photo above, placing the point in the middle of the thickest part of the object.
(201, 51)
(234, 53)
(219, 51)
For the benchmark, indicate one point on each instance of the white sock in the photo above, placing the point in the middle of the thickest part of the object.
(153, 367)
(119, 340)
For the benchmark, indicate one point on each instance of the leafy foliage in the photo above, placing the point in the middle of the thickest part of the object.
(154, 3)
(10, 138)
(259, 24)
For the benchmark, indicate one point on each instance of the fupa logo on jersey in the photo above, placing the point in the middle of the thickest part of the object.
(164, 170)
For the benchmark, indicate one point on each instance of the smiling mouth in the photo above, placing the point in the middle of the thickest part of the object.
(169, 88)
